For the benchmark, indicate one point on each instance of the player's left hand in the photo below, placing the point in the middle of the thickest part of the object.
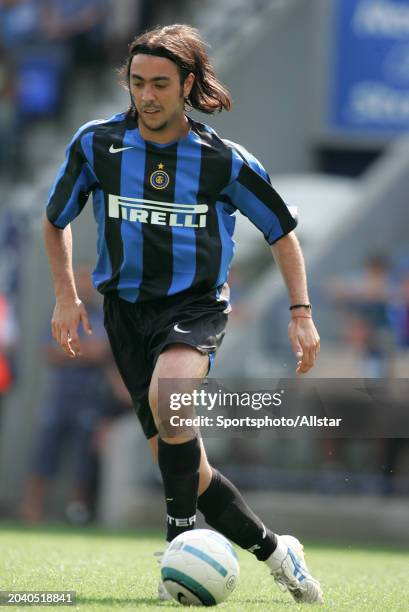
(305, 342)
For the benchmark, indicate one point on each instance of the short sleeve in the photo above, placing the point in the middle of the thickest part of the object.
(251, 192)
(72, 186)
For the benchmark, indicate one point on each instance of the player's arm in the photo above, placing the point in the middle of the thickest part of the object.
(69, 310)
(303, 335)
(252, 193)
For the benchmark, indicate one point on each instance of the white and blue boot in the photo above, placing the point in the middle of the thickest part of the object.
(288, 567)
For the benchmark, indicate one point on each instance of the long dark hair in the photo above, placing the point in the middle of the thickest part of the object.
(182, 45)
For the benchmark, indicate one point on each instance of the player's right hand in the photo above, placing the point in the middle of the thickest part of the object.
(65, 321)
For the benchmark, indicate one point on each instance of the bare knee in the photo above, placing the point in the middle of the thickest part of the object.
(182, 365)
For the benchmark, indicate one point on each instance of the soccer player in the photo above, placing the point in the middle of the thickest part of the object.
(165, 189)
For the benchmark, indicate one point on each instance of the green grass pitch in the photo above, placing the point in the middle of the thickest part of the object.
(117, 570)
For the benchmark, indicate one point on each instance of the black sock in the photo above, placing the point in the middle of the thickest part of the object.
(224, 509)
(179, 465)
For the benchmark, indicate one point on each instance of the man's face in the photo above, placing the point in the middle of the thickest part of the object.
(157, 92)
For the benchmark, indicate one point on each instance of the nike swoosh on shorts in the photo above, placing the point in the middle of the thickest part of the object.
(181, 331)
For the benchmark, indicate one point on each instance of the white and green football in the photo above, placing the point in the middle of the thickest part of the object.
(200, 567)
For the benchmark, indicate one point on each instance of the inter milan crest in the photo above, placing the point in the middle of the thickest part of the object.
(159, 179)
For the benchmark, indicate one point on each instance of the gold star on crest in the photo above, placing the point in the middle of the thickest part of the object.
(161, 166)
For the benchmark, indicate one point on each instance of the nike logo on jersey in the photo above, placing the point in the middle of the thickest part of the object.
(113, 149)
(181, 331)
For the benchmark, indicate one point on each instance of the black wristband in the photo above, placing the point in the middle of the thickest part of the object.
(300, 306)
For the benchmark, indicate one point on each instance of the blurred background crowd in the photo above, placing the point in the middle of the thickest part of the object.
(321, 97)
(46, 46)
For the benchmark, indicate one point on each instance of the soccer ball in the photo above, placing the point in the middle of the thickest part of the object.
(200, 567)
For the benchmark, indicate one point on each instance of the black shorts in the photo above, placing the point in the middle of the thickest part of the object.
(138, 333)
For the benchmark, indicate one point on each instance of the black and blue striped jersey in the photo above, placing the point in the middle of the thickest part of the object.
(165, 213)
